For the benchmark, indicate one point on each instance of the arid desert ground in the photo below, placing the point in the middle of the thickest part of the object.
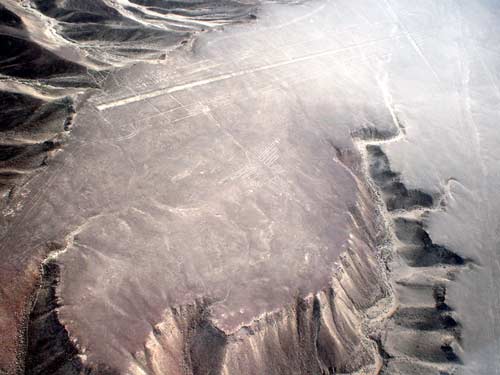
(245, 187)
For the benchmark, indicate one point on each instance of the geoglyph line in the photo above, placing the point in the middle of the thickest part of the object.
(226, 76)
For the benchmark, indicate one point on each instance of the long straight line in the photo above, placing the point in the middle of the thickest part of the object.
(223, 77)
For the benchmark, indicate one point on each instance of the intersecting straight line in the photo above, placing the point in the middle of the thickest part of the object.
(411, 40)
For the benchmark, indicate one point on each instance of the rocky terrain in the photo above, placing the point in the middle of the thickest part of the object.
(202, 187)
